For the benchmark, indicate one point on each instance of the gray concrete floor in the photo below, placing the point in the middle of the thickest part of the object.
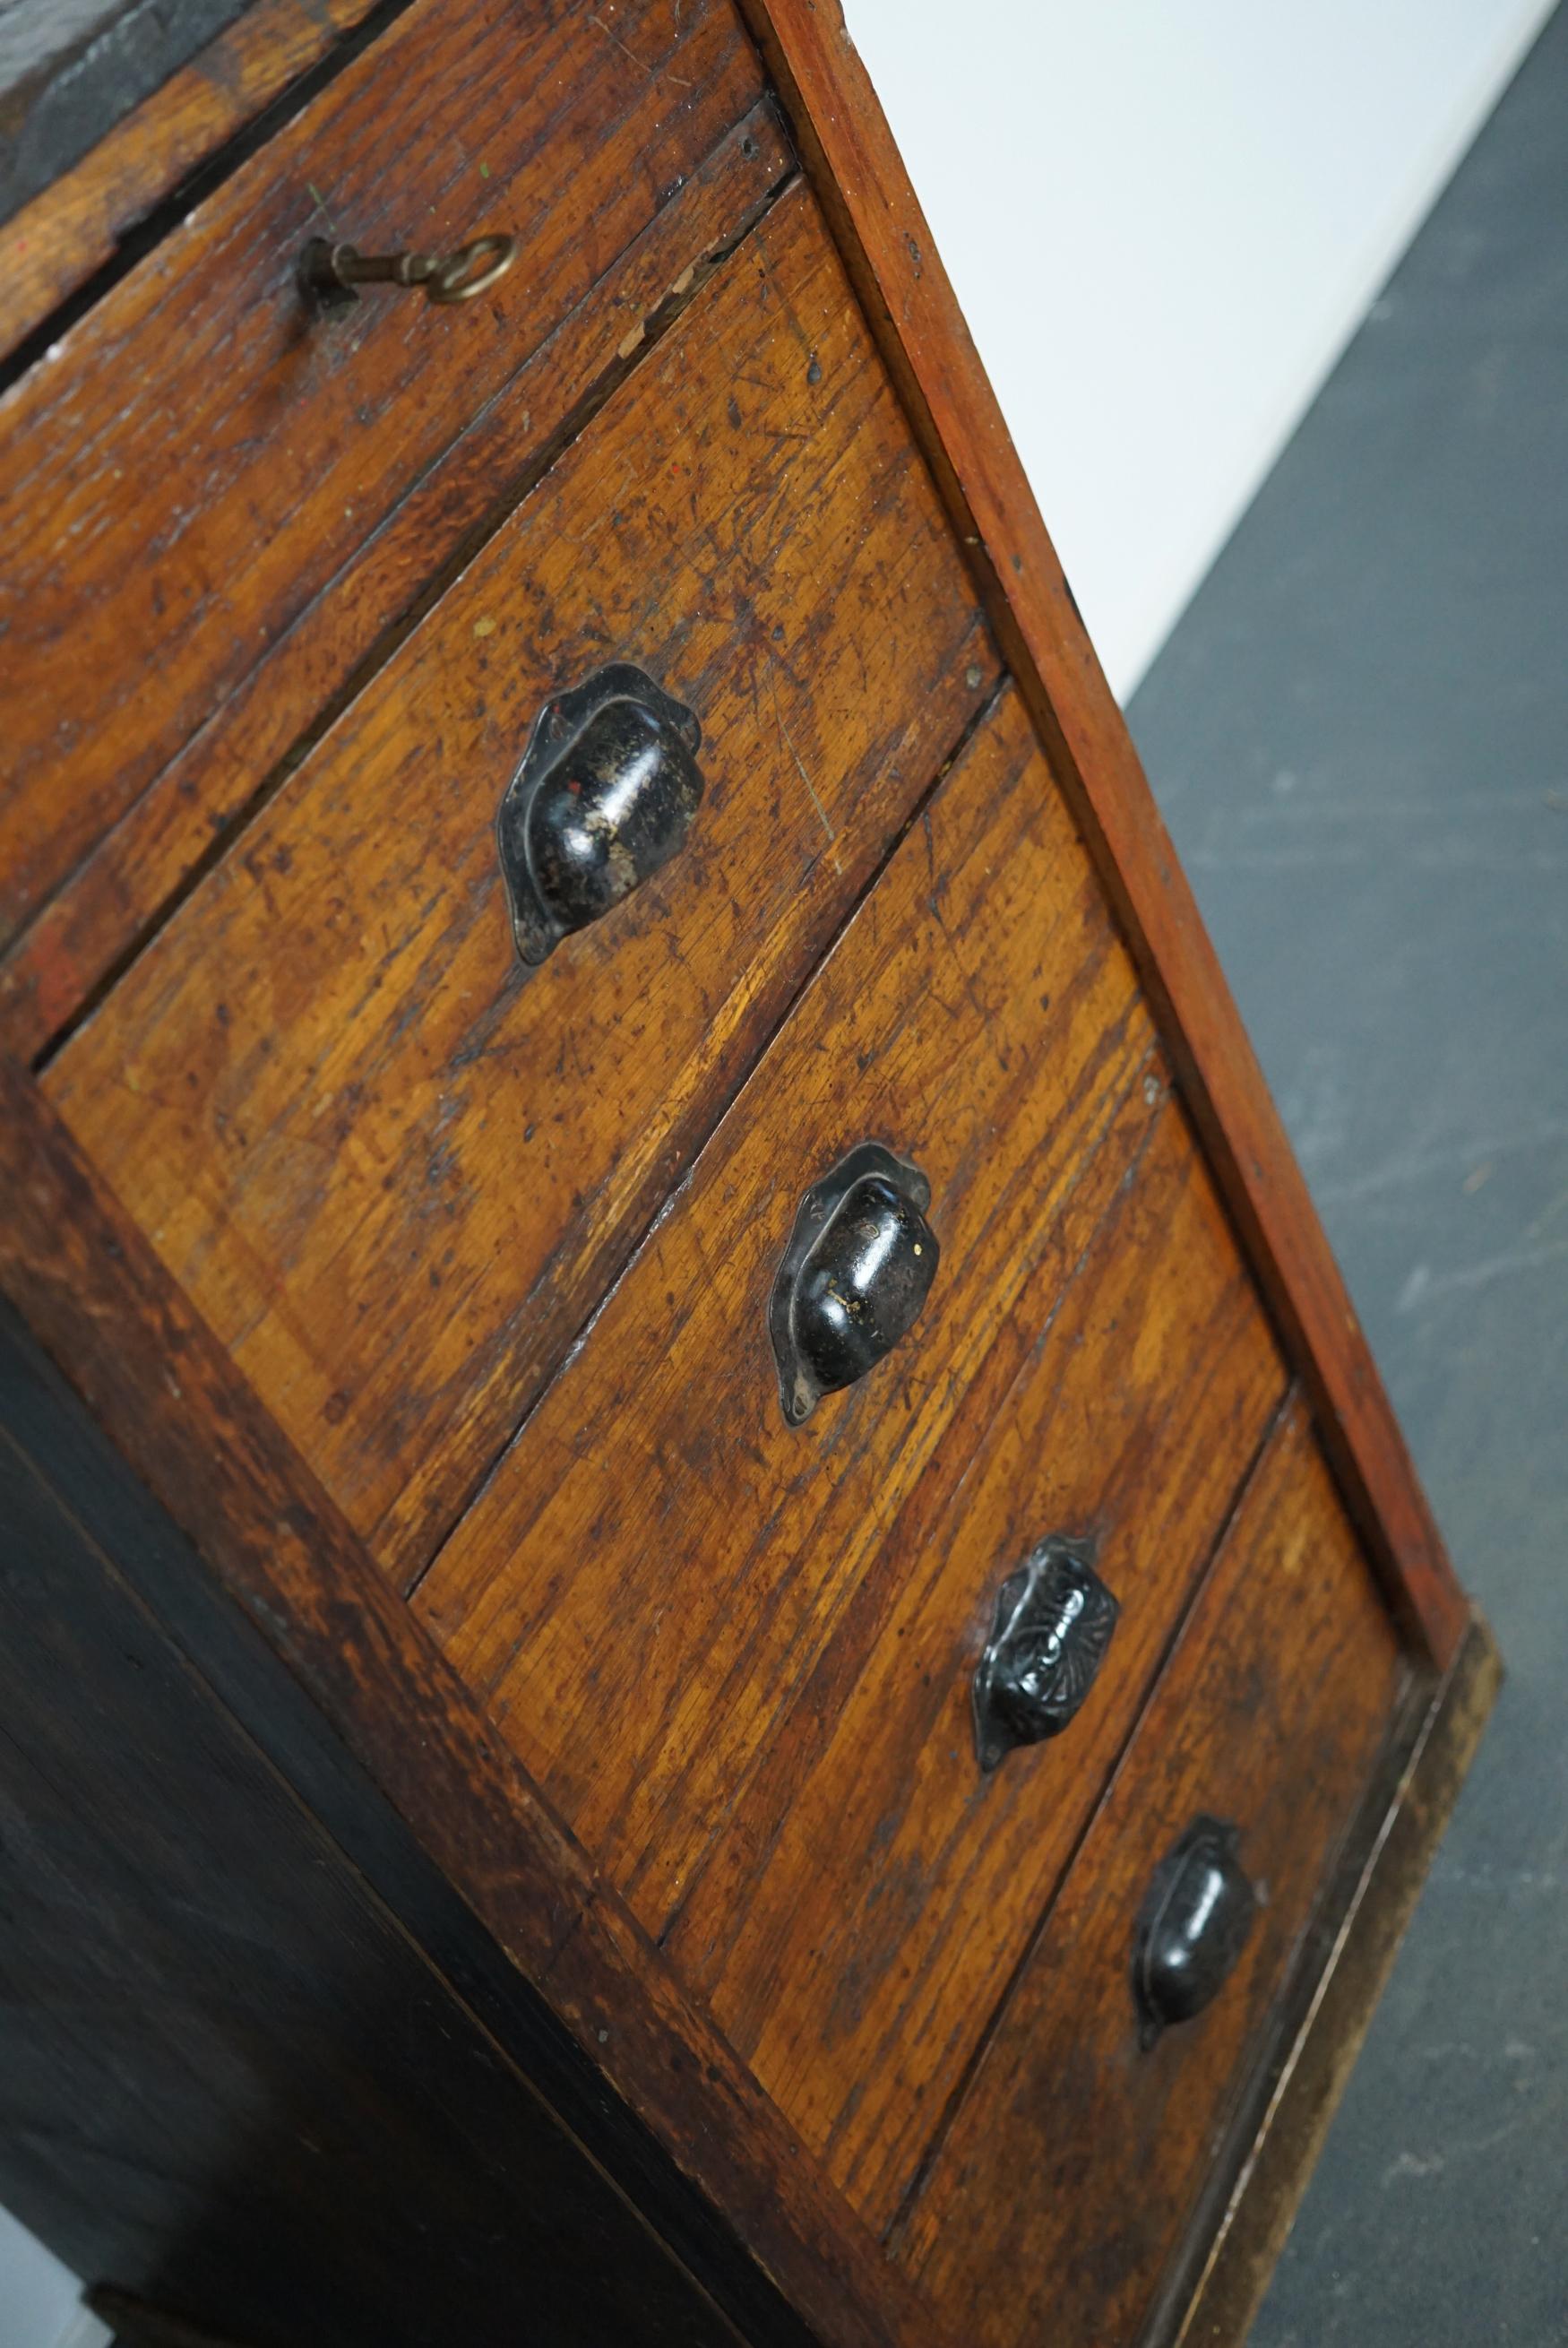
(1360, 736)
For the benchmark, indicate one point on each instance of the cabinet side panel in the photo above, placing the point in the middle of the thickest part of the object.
(228, 2080)
(284, 1563)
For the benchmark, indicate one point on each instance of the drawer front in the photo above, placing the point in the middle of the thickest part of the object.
(866, 1904)
(645, 1589)
(394, 1168)
(1064, 2180)
(196, 464)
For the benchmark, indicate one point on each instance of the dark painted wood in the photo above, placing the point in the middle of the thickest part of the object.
(850, 157)
(268, 1705)
(228, 2080)
(95, 1296)
(1062, 2186)
(139, 2324)
(376, 1738)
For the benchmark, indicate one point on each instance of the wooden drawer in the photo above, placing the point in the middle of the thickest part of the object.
(663, 1583)
(393, 1170)
(867, 1902)
(216, 509)
(426, 1337)
(1063, 2184)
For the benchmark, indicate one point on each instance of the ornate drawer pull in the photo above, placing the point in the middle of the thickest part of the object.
(606, 792)
(1192, 1927)
(332, 274)
(858, 1267)
(1054, 1624)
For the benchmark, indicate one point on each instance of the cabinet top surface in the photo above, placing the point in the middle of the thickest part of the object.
(71, 69)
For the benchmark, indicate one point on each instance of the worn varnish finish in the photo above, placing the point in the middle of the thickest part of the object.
(198, 461)
(393, 1170)
(866, 1905)
(89, 1286)
(685, 1830)
(71, 227)
(1212, 2293)
(850, 156)
(120, 889)
(1075, 2156)
(646, 1583)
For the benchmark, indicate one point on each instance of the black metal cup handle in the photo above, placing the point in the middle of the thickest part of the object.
(605, 795)
(1192, 1927)
(1054, 1618)
(857, 1270)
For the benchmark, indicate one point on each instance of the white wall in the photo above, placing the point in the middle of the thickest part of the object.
(38, 2300)
(1163, 218)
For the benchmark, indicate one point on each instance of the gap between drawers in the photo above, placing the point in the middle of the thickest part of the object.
(637, 1239)
(893, 2232)
(636, 347)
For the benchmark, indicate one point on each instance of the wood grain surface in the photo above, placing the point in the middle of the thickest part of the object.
(404, 1223)
(197, 458)
(91, 1290)
(852, 161)
(395, 1170)
(53, 244)
(641, 1594)
(1212, 2293)
(866, 1905)
(1063, 2184)
(179, 824)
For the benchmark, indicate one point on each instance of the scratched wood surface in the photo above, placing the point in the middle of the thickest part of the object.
(196, 461)
(864, 1908)
(388, 1178)
(849, 154)
(1063, 2182)
(644, 1589)
(117, 891)
(393, 1170)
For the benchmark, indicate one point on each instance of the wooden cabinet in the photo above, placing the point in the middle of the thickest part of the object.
(714, 1628)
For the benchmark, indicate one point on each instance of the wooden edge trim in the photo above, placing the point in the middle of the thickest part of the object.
(1310, 2074)
(52, 246)
(131, 1345)
(859, 180)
